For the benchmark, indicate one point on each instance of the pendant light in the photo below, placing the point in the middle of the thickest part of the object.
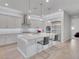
(41, 7)
(47, 1)
(29, 11)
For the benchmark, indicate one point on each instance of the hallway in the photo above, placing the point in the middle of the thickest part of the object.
(68, 50)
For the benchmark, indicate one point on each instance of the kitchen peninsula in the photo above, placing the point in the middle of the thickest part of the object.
(28, 43)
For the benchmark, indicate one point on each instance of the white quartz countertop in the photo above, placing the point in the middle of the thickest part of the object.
(31, 36)
(10, 30)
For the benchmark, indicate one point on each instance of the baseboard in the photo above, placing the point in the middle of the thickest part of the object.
(4, 45)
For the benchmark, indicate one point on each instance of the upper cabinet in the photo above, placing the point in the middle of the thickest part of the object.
(37, 23)
(14, 22)
(3, 21)
(10, 21)
(10, 18)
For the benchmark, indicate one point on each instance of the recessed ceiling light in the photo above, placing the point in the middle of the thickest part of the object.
(49, 21)
(6, 4)
(73, 28)
(59, 9)
(47, 0)
(29, 17)
(41, 19)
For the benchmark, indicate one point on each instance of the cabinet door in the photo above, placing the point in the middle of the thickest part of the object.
(3, 21)
(14, 22)
(10, 38)
(2, 40)
(19, 22)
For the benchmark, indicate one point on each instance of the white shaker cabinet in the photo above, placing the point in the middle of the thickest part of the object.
(7, 39)
(2, 40)
(10, 38)
(14, 22)
(9, 27)
(37, 23)
(3, 21)
(10, 21)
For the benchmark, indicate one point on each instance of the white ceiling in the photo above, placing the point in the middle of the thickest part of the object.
(71, 6)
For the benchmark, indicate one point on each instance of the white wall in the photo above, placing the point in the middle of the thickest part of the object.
(67, 26)
(75, 24)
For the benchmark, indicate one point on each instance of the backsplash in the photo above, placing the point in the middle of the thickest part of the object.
(32, 30)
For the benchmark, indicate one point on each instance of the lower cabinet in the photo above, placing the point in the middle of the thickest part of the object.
(2, 40)
(8, 39)
(14, 22)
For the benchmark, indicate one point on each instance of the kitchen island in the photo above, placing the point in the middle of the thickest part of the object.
(27, 43)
